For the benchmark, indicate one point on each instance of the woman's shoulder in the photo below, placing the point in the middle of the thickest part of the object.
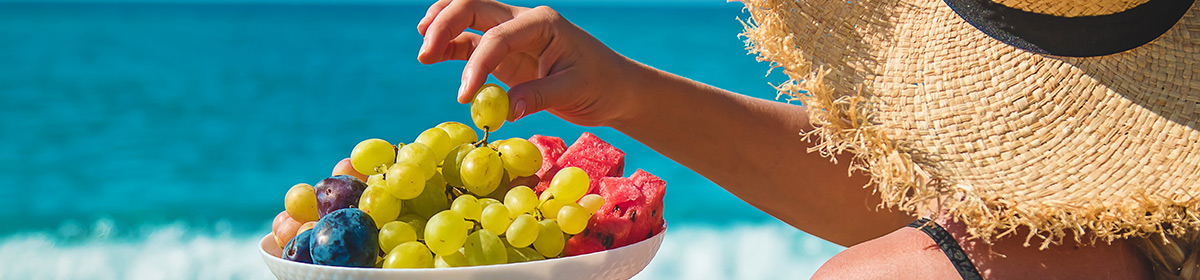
(909, 253)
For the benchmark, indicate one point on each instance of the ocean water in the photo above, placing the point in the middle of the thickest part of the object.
(156, 141)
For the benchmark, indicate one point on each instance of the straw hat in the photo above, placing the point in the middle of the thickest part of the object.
(1065, 116)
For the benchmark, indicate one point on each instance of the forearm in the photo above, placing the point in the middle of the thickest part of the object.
(752, 148)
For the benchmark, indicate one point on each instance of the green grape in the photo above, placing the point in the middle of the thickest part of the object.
(495, 218)
(452, 164)
(569, 184)
(481, 171)
(485, 201)
(369, 155)
(484, 248)
(591, 202)
(456, 259)
(468, 206)
(395, 233)
(410, 254)
(376, 180)
(489, 108)
(432, 199)
(438, 142)
(445, 232)
(405, 180)
(550, 239)
(416, 222)
(420, 155)
(378, 203)
(523, 254)
(572, 218)
(459, 133)
(520, 200)
(520, 157)
(550, 205)
(522, 231)
(495, 145)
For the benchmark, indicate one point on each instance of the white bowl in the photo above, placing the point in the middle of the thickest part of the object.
(619, 263)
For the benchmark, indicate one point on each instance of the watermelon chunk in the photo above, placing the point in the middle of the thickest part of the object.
(581, 244)
(596, 157)
(552, 148)
(617, 190)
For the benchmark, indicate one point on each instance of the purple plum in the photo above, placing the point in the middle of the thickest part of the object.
(337, 192)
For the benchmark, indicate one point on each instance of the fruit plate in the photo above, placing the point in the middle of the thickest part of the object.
(619, 263)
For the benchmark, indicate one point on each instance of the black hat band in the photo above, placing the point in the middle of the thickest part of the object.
(1082, 36)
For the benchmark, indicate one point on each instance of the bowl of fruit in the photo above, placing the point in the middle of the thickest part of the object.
(450, 205)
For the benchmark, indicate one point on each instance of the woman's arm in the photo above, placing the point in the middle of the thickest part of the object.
(752, 148)
(749, 146)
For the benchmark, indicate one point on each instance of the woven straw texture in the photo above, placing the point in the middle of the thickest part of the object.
(946, 119)
(1071, 8)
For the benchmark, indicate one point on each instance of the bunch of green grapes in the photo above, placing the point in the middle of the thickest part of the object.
(443, 200)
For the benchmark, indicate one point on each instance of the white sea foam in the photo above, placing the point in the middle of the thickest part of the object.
(163, 252)
(177, 251)
(752, 251)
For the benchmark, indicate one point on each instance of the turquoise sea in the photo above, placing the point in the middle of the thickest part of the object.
(156, 140)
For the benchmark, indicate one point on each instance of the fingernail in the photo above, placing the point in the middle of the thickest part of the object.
(424, 47)
(520, 109)
(462, 90)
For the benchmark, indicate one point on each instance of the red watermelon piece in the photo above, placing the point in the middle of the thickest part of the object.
(551, 147)
(581, 244)
(596, 157)
(617, 190)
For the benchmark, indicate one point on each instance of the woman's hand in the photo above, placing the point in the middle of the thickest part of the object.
(549, 63)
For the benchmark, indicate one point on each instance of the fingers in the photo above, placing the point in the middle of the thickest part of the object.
(449, 21)
(530, 34)
(540, 94)
(434, 9)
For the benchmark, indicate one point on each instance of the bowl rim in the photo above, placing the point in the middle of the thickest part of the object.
(271, 236)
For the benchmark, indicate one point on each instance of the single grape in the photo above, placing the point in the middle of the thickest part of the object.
(468, 206)
(445, 232)
(459, 133)
(489, 108)
(455, 259)
(485, 201)
(520, 200)
(523, 254)
(438, 142)
(381, 205)
(572, 218)
(416, 222)
(452, 164)
(520, 157)
(550, 205)
(522, 231)
(591, 202)
(432, 199)
(550, 240)
(405, 180)
(410, 254)
(419, 155)
(371, 156)
(394, 233)
(376, 180)
(481, 171)
(344, 167)
(484, 248)
(301, 203)
(495, 218)
(569, 184)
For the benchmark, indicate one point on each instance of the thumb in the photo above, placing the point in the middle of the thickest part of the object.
(539, 94)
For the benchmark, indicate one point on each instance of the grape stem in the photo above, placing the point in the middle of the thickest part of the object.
(485, 137)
